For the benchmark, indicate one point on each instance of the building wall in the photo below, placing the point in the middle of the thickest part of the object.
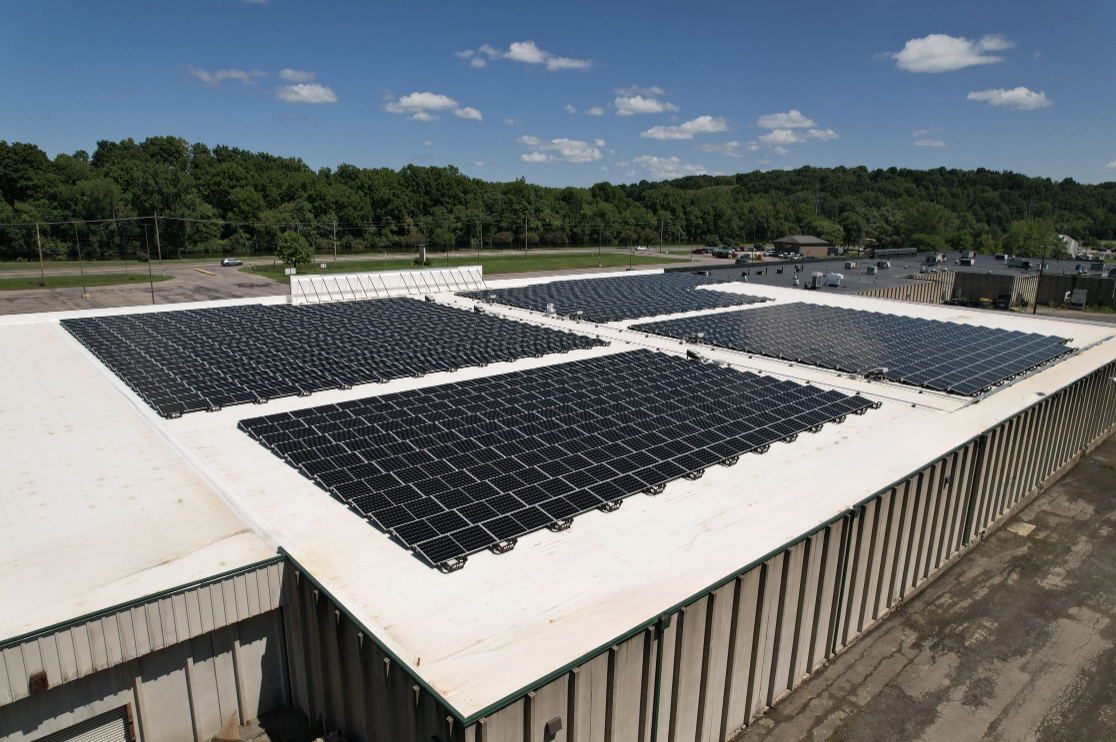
(1102, 291)
(186, 662)
(926, 292)
(733, 652)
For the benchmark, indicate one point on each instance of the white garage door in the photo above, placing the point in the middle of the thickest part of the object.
(110, 727)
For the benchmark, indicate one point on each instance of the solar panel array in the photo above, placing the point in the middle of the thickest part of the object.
(456, 468)
(946, 356)
(614, 299)
(205, 359)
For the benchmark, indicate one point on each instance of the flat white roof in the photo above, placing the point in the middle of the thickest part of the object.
(503, 622)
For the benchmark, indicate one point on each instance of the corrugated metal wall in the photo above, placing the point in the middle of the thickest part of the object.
(732, 653)
(926, 292)
(185, 661)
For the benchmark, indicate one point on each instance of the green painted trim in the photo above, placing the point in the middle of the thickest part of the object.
(138, 601)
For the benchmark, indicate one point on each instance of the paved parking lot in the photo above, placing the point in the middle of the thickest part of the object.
(1015, 642)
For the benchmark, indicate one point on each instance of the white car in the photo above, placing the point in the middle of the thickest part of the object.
(231, 262)
(641, 248)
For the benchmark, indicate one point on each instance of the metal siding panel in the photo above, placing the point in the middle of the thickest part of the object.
(789, 614)
(549, 701)
(858, 551)
(626, 665)
(252, 593)
(193, 612)
(766, 645)
(128, 650)
(5, 684)
(17, 672)
(205, 608)
(690, 652)
(808, 622)
(112, 639)
(67, 659)
(97, 644)
(154, 626)
(240, 594)
(888, 552)
(717, 661)
(873, 568)
(181, 617)
(228, 602)
(740, 660)
(827, 594)
(913, 530)
(933, 496)
(48, 652)
(904, 506)
(82, 651)
(165, 609)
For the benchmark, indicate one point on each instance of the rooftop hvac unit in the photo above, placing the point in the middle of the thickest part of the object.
(835, 279)
(872, 270)
(817, 280)
(850, 265)
(883, 264)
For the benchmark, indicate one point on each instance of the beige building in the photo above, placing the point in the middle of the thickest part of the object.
(804, 245)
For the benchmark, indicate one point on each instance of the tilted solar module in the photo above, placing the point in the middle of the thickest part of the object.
(946, 356)
(204, 359)
(456, 468)
(624, 297)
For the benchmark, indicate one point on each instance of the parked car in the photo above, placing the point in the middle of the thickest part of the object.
(231, 262)
(699, 251)
(641, 248)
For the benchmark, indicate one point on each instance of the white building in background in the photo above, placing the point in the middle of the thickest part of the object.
(1073, 247)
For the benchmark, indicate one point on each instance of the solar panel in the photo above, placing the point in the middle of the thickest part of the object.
(205, 359)
(946, 356)
(553, 442)
(613, 299)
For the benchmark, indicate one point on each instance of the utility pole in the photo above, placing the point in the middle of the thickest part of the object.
(600, 241)
(1042, 265)
(662, 226)
(42, 271)
(158, 247)
(150, 278)
(817, 193)
(335, 244)
(524, 236)
(81, 264)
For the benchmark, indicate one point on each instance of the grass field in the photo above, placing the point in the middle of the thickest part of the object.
(62, 282)
(493, 265)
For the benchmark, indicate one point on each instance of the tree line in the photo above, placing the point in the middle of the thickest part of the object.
(229, 200)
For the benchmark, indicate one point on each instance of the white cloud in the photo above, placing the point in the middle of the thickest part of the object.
(930, 143)
(781, 150)
(653, 91)
(595, 111)
(526, 52)
(1111, 165)
(941, 53)
(296, 75)
(687, 130)
(920, 132)
(257, 2)
(512, 121)
(666, 168)
(215, 78)
(823, 134)
(604, 168)
(570, 109)
(630, 175)
(306, 93)
(559, 150)
(792, 119)
(427, 143)
(630, 105)
(1020, 98)
(465, 54)
(426, 106)
(478, 163)
(782, 136)
(731, 149)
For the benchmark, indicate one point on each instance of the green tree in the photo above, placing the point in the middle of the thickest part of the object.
(293, 249)
(960, 241)
(1030, 238)
(927, 243)
(503, 238)
(854, 227)
(987, 244)
(828, 231)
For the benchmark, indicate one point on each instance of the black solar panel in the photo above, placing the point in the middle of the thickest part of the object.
(946, 356)
(614, 299)
(554, 442)
(210, 358)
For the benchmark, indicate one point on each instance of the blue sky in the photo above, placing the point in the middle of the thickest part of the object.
(678, 88)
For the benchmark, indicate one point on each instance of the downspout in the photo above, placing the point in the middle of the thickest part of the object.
(660, 629)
